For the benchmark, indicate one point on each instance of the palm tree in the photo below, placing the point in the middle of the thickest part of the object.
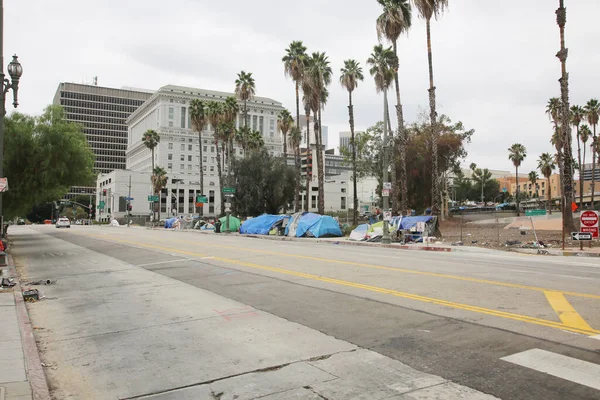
(309, 101)
(245, 89)
(159, 181)
(584, 134)
(293, 66)
(241, 137)
(151, 139)
(198, 117)
(428, 9)
(382, 61)
(214, 112)
(255, 141)
(592, 111)
(285, 122)
(395, 20)
(230, 112)
(318, 74)
(351, 74)
(516, 154)
(546, 165)
(577, 115)
(533, 178)
(553, 109)
(295, 139)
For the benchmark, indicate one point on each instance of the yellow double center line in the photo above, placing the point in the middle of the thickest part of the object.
(517, 317)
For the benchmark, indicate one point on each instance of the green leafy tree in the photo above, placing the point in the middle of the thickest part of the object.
(516, 154)
(584, 133)
(151, 139)
(432, 9)
(264, 184)
(245, 89)
(74, 213)
(481, 177)
(351, 74)
(577, 116)
(395, 20)
(533, 178)
(285, 122)
(546, 164)
(214, 112)
(159, 181)
(43, 157)
(592, 113)
(294, 63)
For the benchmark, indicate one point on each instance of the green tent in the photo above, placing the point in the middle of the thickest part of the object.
(234, 224)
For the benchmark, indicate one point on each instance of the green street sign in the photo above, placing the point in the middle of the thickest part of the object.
(101, 204)
(533, 213)
(228, 190)
(153, 198)
(202, 199)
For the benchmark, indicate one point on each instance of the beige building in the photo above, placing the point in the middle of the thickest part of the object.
(547, 187)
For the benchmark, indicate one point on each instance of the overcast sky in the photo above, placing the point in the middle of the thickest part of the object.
(494, 61)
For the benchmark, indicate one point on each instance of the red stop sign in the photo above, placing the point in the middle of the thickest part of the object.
(589, 218)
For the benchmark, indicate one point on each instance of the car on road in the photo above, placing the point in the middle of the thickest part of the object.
(63, 223)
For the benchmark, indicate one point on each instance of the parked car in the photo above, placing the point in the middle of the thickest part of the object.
(63, 223)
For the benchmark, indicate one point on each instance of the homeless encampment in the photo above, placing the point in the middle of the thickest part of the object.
(262, 224)
(312, 225)
(234, 224)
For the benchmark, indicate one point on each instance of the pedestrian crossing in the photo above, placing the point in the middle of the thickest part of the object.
(569, 368)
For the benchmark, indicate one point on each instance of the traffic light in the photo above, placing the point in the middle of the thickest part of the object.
(129, 207)
(104, 192)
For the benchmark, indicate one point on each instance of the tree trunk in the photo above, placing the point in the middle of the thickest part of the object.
(201, 172)
(220, 173)
(435, 181)
(354, 178)
(320, 164)
(567, 182)
(549, 202)
(400, 186)
(581, 177)
(297, 104)
(580, 171)
(153, 189)
(298, 177)
(593, 185)
(518, 190)
(308, 162)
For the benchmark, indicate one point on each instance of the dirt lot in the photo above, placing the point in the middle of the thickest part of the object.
(487, 235)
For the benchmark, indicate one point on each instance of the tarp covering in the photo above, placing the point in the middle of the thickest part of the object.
(315, 225)
(261, 225)
(169, 222)
(359, 233)
(409, 222)
(234, 224)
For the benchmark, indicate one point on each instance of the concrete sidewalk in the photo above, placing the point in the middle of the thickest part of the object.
(20, 366)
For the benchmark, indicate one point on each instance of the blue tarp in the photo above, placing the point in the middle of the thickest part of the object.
(409, 222)
(169, 222)
(317, 226)
(261, 225)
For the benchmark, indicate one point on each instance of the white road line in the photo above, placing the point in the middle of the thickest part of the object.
(595, 337)
(162, 262)
(574, 370)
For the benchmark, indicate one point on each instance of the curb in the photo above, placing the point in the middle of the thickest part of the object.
(33, 364)
(556, 253)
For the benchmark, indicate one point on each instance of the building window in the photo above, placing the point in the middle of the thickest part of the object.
(272, 124)
(543, 192)
(261, 122)
(212, 168)
(212, 159)
(183, 117)
(189, 167)
(343, 190)
(204, 168)
(170, 146)
(203, 158)
(183, 147)
(170, 124)
(189, 158)
(212, 149)
(182, 157)
(254, 122)
(181, 167)
(190, 148)
(170, 165)
(543, 184)
(171, 114)
(170, 157)
(204, 149)
(343, 203)
(313, 203)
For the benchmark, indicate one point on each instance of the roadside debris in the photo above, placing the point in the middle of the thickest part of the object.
(8, 282)
(42, 282)
(31, 295)
(459, 243)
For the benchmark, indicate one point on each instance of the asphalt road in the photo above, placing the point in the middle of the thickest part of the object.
(508, 325)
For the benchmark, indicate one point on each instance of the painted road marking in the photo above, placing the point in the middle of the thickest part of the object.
(595, 337)
(402, 270)
(162, 262)
(565, 311)
(574, 370)
(446, 303)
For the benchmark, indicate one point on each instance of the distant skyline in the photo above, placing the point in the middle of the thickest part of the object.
(495, 66)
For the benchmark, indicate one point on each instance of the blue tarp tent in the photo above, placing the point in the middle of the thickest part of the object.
(169, 222)
(261, 225)
(310, 224)
(360, 232)
(409, 222)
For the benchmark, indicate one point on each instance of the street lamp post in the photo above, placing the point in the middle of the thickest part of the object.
(15, 70)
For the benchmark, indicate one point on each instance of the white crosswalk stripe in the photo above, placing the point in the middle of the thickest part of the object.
(571, 369)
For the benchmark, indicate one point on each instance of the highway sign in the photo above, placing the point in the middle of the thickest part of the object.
(201, 199)
(152, 198)
(387, 185)
(533, 213)
(101, 204)
(228, 190)
(589, 222)
(581, 235)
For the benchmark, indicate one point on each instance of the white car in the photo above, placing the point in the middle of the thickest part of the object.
(63, 223)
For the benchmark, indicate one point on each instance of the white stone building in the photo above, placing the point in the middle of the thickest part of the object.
(167, 112)
(113, 189)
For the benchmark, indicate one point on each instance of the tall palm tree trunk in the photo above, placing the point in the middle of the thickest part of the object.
(567, 179)
(593, 186)
(298, 104)
(354, 178)
(154, 190)
(308, 162)
(245, 113)
(518, 189)
(220, 174)
(435, 180)
(549, 202)
(201, 172)
(298, 178)
(581, 176)
(320, 165)
(580, 171)
(400, 187)
(285, 148)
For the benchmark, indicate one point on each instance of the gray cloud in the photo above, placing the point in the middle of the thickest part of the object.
(494, 62)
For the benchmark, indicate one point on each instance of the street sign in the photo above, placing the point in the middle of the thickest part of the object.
(589, 222)
(101, 204)
(228, 194)
(533, 213)
(3, 185)
(581, 235)
(387, 215)
(387, 185)
(228, 190)
(227, 205)
(386, 192)
(152, 198)
(201, 199)
(504, 190)
(129, 198)
(198, 204)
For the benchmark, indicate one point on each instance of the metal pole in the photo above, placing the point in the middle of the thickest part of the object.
(2, 111)
(385, 239)
(129, 201)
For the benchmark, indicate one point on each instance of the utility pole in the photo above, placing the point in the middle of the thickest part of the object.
(129, 201)
(385, 239)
